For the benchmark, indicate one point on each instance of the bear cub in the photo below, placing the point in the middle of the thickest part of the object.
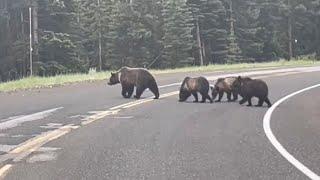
(248, 88)
(224, 85)
(193, 86)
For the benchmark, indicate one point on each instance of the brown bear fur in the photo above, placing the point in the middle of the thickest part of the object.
(249, 88)
(224, 85)
(193, 86)
(134, 77)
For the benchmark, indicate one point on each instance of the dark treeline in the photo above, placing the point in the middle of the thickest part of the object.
(72, 36)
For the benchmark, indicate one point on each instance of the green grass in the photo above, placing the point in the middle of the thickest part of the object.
(40, 82)
(242, 66)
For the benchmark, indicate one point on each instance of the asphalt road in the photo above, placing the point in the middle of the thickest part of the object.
(158, 139)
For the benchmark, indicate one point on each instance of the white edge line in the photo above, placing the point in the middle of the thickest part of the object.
(276, 143)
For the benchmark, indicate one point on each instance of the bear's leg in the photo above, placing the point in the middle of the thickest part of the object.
(206, 96)
(154, 89)
(229, 96)
(124, 92)
(210, 99)
(139, 91)
(220, 96)
(261, 100)
(268, 102)
(235, 96)
(245, 99)
(249, 101)
(195, 95)
(130, 91)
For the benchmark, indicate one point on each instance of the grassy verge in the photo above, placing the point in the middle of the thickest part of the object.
(40, 82)
(242, 66)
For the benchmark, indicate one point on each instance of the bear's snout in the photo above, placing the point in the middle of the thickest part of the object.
(110, 83)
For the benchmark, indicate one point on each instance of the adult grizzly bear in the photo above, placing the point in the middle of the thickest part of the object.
(224, 85)
(134, 77)
(193, 86)
(249, 88)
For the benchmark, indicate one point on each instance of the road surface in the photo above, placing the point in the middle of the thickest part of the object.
(88, 131)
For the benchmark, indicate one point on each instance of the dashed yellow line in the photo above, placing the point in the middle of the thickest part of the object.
(169, 94)
(137, 103)
(98, 115)
(4, 170)
(125, 104)
(41, 139)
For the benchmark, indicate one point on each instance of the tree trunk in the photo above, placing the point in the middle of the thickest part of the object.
(290, 51)
(8, 29)
(30, 43)
(100, 36)
(24, 64)
(22, 23)
(79, 26)
(35, 23)
(35, 33)
(204, 52)
(318, 40)
(100, 52)
(199, 43)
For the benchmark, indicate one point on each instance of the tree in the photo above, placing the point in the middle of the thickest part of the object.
(75, 35)
(234, 52)
(96, 25)
(177, 39)
(195, 8)
(311, 40)
(214, 31)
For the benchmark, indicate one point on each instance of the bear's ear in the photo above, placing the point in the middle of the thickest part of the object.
(239, 78)
(112, 73)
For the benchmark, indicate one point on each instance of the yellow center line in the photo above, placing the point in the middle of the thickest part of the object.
(27, 145)
(4, 170)
(137, 103)
(98, 116)
(125, 104)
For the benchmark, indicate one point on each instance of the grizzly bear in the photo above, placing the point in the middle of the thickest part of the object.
(248, 88)
(134, 77)
(193, 86)
(224, 85)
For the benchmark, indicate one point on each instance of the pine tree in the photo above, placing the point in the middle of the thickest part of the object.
(57, 50)
(195, 7)
(137, 33)
(234, 54)
(309, 35)
(96, 21)
(214, 31)
(177, 38)
(245, 16)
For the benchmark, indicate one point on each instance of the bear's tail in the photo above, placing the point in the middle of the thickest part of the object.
(154, 89)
